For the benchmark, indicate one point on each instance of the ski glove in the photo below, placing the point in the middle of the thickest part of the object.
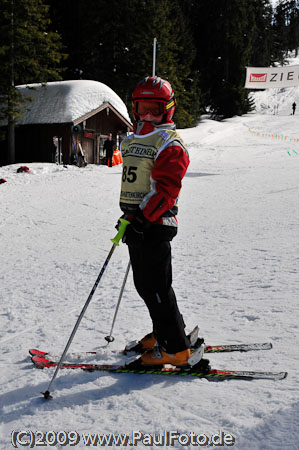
(135, 231)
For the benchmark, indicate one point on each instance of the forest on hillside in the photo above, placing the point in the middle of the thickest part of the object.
(203, 47)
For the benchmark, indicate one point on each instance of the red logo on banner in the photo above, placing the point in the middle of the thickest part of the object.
(258, 77)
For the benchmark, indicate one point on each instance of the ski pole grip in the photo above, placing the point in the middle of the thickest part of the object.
(121, 231)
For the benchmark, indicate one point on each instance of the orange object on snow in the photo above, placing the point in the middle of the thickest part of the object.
(116, 158)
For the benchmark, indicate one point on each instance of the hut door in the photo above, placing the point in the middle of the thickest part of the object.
(88, 148)
(102, 151)
(57, 141)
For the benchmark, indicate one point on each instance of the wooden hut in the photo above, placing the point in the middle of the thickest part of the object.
(68, 121)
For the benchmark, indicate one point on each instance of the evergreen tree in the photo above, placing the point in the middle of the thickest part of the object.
(29, 53)
(113, 43)
(280, 31)
(293, 26)
(262, 35)
(286, 29)
(224, 40)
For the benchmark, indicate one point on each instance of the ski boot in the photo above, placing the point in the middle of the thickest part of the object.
(158, 357)
(146, 343)
(149, 341)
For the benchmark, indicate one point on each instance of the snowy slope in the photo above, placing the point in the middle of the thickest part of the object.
(271, 101)
(235, 263)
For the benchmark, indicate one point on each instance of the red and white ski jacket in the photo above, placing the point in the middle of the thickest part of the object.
(155, 161)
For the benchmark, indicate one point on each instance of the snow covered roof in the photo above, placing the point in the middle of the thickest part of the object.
(67, 101)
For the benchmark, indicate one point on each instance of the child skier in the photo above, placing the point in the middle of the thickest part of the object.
(155, 161)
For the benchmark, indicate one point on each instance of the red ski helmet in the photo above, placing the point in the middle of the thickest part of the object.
(155, 95)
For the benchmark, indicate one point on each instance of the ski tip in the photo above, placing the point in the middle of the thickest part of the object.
(35, 364)
(47, 395)
(35, 352)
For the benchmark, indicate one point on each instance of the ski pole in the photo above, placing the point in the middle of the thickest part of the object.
(110, 338)
(115, 240)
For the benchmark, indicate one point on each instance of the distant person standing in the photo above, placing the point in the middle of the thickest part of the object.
(109, 146)
(294, 107)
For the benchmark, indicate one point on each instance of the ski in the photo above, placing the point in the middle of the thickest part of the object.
(41, 362)
(237, 347)
(208, 349)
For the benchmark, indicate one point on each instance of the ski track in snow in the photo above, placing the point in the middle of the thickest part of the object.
(235, 270)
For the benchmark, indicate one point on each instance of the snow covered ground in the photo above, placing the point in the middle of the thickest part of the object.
(235, 264)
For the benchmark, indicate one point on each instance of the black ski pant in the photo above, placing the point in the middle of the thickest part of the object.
(109, 157)
(152, 273)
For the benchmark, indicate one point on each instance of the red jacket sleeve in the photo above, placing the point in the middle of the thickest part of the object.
(166, 181)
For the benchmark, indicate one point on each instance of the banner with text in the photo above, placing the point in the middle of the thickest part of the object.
(271, 77)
